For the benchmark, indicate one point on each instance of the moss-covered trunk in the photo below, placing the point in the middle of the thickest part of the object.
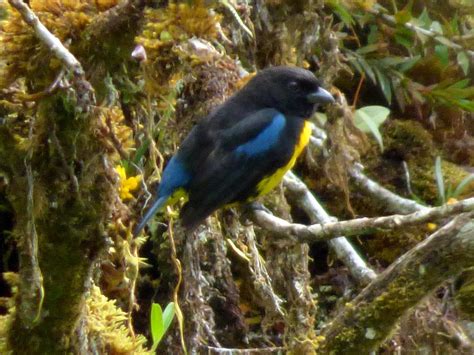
(61, 196)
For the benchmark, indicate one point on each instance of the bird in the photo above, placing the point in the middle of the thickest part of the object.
(243, 148)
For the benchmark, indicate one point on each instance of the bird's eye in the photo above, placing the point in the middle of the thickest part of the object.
(294, 86)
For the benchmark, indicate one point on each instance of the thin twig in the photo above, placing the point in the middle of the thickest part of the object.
(179, 272)
(84, 90)
(216, 350)
(31, 277)
(51, 89)
(66, 166)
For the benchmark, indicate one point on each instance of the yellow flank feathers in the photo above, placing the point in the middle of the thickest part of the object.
(270, 182)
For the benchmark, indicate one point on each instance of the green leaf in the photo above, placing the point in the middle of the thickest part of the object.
(404, 37)
(440, 181)
(436, 27)
(467, 105)
(168, 315)
(409, 63)
(384, 83)
(463, 62)
(156, 324)
(424, 19)
(462, 185)
(368, 49)
(373, 35)
(140, 152)
(461, 84)
(367, 69)
(342, 12)
(368, 119)
(442, 52)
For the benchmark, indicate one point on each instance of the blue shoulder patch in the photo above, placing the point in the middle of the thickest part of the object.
(265, 139)
(174, 176)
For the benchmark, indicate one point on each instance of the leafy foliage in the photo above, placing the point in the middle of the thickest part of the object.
(160, 321)
(400, 50)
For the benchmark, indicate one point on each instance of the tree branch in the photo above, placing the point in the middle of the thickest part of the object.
(393, 202)
(365, 322)
(340, 245)
(85, 92)
(330, 230)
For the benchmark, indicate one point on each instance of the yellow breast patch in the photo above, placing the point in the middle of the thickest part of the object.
(270, 182)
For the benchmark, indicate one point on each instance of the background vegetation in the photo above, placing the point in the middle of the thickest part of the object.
(84, 139)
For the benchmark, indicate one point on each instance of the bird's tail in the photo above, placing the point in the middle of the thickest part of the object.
(155, 207)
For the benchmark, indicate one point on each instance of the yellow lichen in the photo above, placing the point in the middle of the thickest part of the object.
(22, 52)
(107, 323)
(113, 121)
(127, 184)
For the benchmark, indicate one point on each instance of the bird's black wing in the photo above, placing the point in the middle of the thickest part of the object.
(243, 155)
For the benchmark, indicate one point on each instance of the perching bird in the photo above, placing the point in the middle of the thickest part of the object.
(243, 148)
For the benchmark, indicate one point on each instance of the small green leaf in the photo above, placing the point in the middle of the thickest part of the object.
(342, 12)
(463, 62)
(440, 181)
(168, 315)
(462, 185)
(140, 152)
(403, 16)
(424, 19)
(384, 83)
(404, 37)
(165, 36)
(409, 63)
(436, 27)
(156, 323)
(442, 52)
(367, 69)
(368, 49)
(368, 119)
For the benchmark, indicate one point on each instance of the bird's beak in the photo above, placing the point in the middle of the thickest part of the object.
(320, 96)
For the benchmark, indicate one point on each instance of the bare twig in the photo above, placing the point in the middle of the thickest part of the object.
(392, 201)
(51, 89)
(85, 92)
(269, 350)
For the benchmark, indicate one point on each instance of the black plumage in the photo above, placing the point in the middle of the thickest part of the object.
(256, 134)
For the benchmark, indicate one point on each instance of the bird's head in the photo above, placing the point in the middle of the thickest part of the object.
(291, 90)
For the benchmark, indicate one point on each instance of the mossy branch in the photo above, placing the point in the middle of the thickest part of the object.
(370, 318)
(117, 19)
(85, 92)
(331, 230)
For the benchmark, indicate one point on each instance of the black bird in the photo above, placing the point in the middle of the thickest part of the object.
(242, 149)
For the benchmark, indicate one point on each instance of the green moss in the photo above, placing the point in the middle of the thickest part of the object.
(464, 295)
